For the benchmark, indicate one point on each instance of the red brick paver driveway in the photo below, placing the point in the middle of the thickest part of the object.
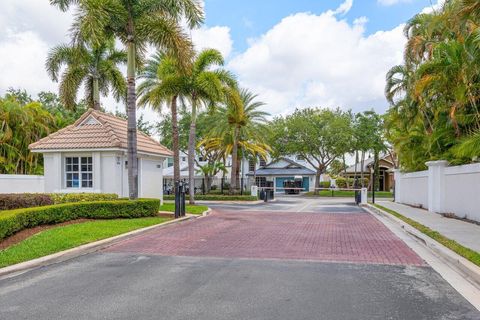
(354, 237)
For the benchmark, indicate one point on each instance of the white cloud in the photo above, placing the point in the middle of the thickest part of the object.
(344, 8)
(22, 60)
(392, 2)
(32, 27)
(434, 7)
(214, 37)
(318, 60)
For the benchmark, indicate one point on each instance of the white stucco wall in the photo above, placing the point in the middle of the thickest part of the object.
(110, 174)
(442, 189)
(414, 189)
(16, 183)
(151, 178)
(462, 195)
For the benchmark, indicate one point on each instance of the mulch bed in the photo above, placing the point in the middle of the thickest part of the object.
(27, 233)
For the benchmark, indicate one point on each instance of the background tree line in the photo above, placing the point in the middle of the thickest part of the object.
(435, 94)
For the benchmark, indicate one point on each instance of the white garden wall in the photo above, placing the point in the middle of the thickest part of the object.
(16, 183)
(414, 188)
(442, 189)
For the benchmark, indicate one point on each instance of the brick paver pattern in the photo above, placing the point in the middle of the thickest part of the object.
(333, 237)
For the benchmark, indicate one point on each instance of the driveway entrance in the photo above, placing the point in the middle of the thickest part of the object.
(296, 258)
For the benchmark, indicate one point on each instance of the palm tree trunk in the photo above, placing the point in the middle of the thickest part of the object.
(191, 154)
(96, 94)
(361, 168)
(233, 173)
(175, 141)
(132, 124)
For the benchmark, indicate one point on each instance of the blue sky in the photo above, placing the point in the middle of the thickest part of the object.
(251, 18)
(292, 53)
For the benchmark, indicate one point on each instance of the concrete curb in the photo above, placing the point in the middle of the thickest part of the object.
(206, 212)
(467, 268)
(82, 250)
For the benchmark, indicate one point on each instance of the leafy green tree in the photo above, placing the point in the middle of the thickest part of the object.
(136, 23)
(142, 124)
(313, 134)
(23, 121)
(96, 68)
(336, 167)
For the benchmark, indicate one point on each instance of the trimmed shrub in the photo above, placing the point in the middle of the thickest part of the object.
(24, 200)
(12, 221)
(59, 198)
(214, 197)
(325, 184)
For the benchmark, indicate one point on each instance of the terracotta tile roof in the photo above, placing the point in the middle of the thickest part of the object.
(95, 130)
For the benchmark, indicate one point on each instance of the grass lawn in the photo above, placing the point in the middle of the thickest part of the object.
(192, 209)
(465, 252)
(328, 193)
(70, 236)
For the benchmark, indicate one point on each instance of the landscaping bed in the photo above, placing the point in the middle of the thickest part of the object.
(340, 193)
(192, 209)
(216, 197)
(12, 221)
(72, 234)
(12, 201)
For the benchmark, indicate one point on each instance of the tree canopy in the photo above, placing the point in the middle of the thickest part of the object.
(435, 94)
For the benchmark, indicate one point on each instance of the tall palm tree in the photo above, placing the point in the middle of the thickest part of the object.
(96, 68)
(239, 125)
(198, 84)
(205, 86)
(136, 23)
(162, 85)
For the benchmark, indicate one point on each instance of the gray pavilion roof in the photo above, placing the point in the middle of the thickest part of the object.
(283, 167)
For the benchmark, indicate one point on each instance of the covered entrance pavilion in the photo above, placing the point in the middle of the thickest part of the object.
(282, 173)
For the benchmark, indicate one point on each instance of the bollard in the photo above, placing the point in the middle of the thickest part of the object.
(177, 200)
(364, 196)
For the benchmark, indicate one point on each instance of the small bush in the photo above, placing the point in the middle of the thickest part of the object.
(12, 221)
(213, 197)
(24, 200)
(59, 198)
(325, 184)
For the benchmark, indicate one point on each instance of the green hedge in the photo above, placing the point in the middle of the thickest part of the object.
(12, 221)
(325, 184)
(11, 201)
(214, 197)
(59, 198)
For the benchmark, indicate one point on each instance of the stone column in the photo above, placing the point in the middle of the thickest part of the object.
(436, 185)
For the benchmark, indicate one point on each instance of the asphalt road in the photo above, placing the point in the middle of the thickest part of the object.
(203, 279)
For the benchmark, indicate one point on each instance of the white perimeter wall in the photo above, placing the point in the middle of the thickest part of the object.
(462, 194)
(414, 188)
(442, 189)
(16, 183)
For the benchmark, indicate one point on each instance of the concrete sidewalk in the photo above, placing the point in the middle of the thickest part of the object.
(465, 233)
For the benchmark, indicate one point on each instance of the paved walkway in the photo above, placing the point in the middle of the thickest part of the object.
(465, 233)
(351, 235)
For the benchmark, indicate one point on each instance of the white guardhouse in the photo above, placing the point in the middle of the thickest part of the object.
(91, 156)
